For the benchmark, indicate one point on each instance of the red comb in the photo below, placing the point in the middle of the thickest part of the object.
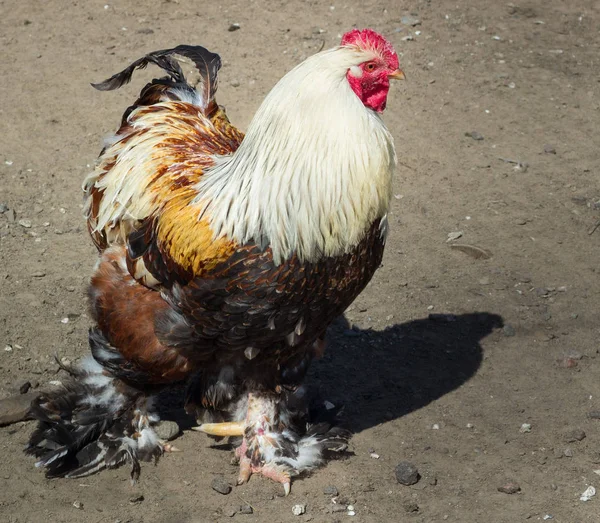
(367, 38)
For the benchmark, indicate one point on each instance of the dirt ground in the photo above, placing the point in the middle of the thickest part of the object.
(445, 356)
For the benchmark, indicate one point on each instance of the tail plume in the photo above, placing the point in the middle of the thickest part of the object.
(91, 422)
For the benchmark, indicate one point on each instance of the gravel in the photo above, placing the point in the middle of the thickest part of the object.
(16, 408)
(299, 509)
(510, 487)
(220, 485)
(167, 430)
(574, 435)
(330, 491)
(406, 473)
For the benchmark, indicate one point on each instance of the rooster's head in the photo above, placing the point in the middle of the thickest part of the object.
(370, 80)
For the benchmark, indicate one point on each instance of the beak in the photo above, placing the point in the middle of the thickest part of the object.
(398, 74)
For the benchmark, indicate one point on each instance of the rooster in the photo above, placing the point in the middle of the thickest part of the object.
(223, 258)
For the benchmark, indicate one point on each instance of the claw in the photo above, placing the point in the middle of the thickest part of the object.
(230, 428)
(286, 488)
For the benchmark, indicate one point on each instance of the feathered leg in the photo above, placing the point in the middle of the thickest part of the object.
(93, 421)
(274, 444)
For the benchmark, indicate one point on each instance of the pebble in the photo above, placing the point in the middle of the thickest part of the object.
(549, 149)
(510, 487)
(246, 509)
(11, 216)
(521, 221)
(78, 505)
(525, 427)
(330, 491)
(38, 274)
(220, 485)
(588, 494)
(410, 20)
(24, 388)
(234, 27)
(25, 223)
(568, 452)
(476, 135)
(455, 235)
(410, 507)
(574, 435)
(136, 498)
(406, 473)
(3, 208)
(230, 512)
(594, 414)
(16, 408)
(299, 509)
(508, 330)
(167, 430)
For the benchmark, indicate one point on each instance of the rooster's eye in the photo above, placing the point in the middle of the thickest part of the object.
(370, 67)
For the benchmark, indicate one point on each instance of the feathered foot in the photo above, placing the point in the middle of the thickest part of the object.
(271, 447)
(93, 422)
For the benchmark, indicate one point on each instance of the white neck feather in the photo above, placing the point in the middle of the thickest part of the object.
(314, 170)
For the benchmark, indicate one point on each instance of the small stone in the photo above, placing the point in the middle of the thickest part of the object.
(476, 135)
(330, 491)
(508, 330)
(299, 509)
(230, 512)
(510, 487)
(78, 505)
(374, 455)
(145, 31)
(549, 149)
(167, 430)
(594, 414)
(11, 216)
(234, 27)
(588, 494)
(574, 435)
(235, 83)
(16, 408)
(25, 223)
(567, 363)
(521, 221)
(246, 509)
(568, 452)
(455, 235)
(3, 208)
(410, 20)
(24, 388)
(38, 274)
(525, 428)
(136, 498)
(220, 485)
(406, 473)
(410, 507)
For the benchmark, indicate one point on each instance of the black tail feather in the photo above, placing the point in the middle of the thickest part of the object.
(205, 63)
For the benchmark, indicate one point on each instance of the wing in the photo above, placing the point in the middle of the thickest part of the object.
(140, 192)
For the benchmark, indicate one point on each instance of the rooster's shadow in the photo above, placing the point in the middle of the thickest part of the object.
(380, 376)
